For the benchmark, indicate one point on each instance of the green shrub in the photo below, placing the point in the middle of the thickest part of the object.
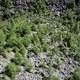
(23, 29)
(66, 38)
(11, 70)
(56, 36)
(34, 27)
(42, 64)
(19, 59)
(36, 50)
(55, 51)
(26, 40)
(75, 46)
(38, 7)
(28, 65)
(68, 19)
(22, 50)
(2, 40)
(20, 12)
(41, 29)
(45, 47)
(2, 78)
(6, 3)
(51, 78)
(40, 36)
(8, 50)
(41, 5)
(74, 41)
(35, 40)
(75, 75)
(12, 40)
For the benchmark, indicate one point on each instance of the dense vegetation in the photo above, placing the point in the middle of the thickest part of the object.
(18, 34)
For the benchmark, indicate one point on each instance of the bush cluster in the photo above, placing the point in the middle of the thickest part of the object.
(11, 70)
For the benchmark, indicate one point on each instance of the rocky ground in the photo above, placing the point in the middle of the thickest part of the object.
(61, 66)
(60, 70)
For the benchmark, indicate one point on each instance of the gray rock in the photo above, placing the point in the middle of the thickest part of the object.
(28, 76)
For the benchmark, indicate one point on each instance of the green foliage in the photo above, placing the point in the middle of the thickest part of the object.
(56, 36)
(42, 64)
(40, 28)
(6, 3)
(36, 50)
(40, 36)
(2, 40)
(35, 39)
(68, 19)
(74, 42)
(20, 12)
(51, 78)
(75, 75)
(2, 78)
(34, 27)
(12, 41)
(26, 40)
(19, 59)
(55, 51)
(45, 47)
(22, 50)
(39, 7)
(11, 70)
(23, 29)
(28, 65)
